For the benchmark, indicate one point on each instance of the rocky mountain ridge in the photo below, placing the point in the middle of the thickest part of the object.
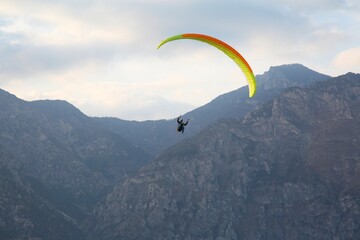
(156, 136)
(56, 165)
(288, 170)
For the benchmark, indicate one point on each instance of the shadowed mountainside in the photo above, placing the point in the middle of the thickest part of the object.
(56, 164)
(25, 214)
(289, 170)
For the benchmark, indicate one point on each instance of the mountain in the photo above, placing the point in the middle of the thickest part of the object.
(156, 136)
(57, 164)
(288, 170)
(26, 215)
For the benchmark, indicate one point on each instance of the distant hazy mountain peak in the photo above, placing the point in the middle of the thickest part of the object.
(8, 97)
(57, 108)
(289, 75)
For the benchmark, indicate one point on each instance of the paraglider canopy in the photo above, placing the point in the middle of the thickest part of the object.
(224, 47)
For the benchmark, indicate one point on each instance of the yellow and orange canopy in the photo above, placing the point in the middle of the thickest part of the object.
(224, 47)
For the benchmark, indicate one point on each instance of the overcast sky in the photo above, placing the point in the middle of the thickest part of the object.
(100, 55)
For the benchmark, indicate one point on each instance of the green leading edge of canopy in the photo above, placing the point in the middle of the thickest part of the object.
(225, 48)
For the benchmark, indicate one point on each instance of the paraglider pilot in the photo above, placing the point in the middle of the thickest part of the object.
(181, 124)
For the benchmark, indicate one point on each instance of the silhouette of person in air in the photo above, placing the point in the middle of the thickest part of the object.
(181, 124)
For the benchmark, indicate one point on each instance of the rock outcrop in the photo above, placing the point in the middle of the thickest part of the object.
(289, 170)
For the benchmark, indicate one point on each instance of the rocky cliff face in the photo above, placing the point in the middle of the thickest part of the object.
(24, 214)
(156, 136)
(56, 164)
(289, 75)
(289, 170)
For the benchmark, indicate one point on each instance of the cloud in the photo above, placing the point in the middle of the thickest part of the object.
(127, 101)
(311, 6)
(70, 22)
(37, 38)
(179, 85)
(148, 108)
(101, 55)
(348, 61)
(24, 61)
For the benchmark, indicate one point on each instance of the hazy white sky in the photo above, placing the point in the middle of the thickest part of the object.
(100, 55)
